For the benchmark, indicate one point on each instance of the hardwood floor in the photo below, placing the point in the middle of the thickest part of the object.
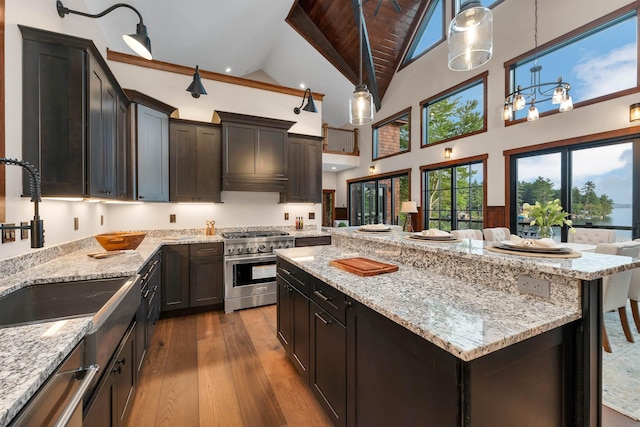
(216, 369)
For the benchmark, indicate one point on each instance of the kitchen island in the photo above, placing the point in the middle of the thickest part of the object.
(496, 353)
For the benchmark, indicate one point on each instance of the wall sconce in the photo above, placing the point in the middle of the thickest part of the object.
(447, 152)
(310, 107)
(196, 87)
(634, 112)
(139, 41)
(372, 169)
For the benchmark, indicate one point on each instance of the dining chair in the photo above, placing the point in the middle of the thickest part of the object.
(496, 234)
(634, 293)
(592, 236)
(615, 288)
(467, 234)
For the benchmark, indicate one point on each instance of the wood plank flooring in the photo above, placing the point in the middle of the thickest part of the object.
(216, 369)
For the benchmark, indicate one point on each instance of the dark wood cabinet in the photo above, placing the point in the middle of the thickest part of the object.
(312, 241)
(112, 399)
(305, 170)
(148, 312)
(195, 163)
(124, 166)
(255, 153)
(192, 276)
(152, 151)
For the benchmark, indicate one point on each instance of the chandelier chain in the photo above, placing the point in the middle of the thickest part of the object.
(535, 33)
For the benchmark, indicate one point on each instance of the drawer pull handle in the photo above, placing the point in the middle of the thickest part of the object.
(322, 319)
(286, 271)
(322, 296)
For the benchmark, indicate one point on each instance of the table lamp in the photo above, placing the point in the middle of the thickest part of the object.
(408, 208)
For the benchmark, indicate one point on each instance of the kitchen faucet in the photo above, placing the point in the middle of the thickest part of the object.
(36, 226)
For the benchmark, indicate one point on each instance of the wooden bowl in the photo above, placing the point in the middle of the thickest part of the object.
(120, 240)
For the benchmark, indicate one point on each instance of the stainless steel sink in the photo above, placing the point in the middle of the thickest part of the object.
(112, 303)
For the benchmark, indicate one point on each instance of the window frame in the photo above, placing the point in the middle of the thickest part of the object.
(450, 165)
(381, 123)
(420, 28)
(567, 39)
(482, 77)
(377, 178)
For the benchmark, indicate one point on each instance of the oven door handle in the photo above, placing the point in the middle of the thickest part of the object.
(270, 258)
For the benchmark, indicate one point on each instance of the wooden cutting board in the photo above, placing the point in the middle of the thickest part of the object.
(363, 266)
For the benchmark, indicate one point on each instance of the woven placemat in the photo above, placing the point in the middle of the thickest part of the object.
(533, 254)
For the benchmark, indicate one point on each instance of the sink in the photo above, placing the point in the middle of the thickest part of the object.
(37, 303)
(112, 303)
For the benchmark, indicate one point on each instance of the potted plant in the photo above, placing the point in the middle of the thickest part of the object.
(547, 216)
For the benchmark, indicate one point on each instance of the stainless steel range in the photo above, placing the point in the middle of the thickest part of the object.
(250, 267)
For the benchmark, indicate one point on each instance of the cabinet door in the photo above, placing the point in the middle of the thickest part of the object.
(284, 312)
(300, 345)
(123, 153)
(296, 171)
(53, 118)
(153, 154)
(329, 366)
(241, 150)
(175, 277)
(102, 410)
(205, 281)
(125, 369)
(312, 172)
(208, 164)
(182, 162)
(141, 330)
(273, 154)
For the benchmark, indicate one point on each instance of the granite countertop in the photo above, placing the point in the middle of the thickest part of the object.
(465, 319)
(28, 356)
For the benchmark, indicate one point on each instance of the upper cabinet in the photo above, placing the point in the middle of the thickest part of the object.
(73, 121)
(195, 161)
(305, 170)
(150, 126)
(254, 153)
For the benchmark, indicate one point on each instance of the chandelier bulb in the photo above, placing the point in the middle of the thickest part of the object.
(533, 113)
(507, 112)
(566, 104)
(519, 102)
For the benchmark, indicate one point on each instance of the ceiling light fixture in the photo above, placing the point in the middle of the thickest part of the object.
(196, 87)
(361, 101)
(139, 41)
(470, 37)
(557, 92)
(310, 107)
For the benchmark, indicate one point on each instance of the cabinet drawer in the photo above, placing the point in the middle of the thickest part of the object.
(296, 277)
(330, 299)
(205, 249)
(312, 241)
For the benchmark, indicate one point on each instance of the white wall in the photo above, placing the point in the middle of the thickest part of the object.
(429, 75)
(238, 209)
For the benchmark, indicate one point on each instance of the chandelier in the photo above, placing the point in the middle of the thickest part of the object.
(557, 92)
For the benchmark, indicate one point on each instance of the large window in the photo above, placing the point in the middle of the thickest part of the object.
(378, 199)
(430, 32)
(392, 135)
(453, 196)
(457, 112)
(594, 182)
(601, 61)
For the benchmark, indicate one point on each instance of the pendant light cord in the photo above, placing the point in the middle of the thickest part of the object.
(360, 19)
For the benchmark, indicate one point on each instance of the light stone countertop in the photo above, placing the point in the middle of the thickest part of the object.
(463, 318)
(28, 357)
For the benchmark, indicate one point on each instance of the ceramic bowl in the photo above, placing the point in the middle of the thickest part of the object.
(120, 240)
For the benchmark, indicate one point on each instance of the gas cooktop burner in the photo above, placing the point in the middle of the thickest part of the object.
(252, 234)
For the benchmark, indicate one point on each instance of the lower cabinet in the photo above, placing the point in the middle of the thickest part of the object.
(110, 402)
(293, 324)
(148, 313)
(192, 276)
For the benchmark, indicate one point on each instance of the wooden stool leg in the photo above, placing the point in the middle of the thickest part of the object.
(636, 314)
(625, 323)
(605, 339)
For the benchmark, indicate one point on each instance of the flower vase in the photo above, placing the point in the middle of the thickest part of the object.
(545, 232)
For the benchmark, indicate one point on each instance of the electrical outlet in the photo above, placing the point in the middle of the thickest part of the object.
(534, 286)
(76, 223)
(9, 235)
(172, 218)
(312, 215)
(24, 234)
(286, 216)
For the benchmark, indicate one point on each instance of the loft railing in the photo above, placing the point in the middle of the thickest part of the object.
(340, 141)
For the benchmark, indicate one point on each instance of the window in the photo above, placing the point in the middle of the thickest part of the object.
(430, 32)
(457, 112)
(594, 182)
(392, 136)
(453, 196)
(378, 200)
(598, 63)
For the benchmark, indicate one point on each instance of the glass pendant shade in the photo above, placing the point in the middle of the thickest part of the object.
(533, 114)
(566, 105)
(519, 102)
(507, 112)
(470, 37)
(559, 95)
(361, 106)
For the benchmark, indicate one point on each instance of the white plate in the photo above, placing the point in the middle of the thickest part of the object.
(510, 246)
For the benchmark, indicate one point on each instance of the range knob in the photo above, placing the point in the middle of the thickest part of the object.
(230, 250)
(240, 248)
(261, 247)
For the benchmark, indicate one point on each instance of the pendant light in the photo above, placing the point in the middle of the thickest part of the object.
(196, 88)
(470, 37)
(361, 101)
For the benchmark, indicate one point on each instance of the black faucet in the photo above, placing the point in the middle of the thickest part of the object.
(37, 226)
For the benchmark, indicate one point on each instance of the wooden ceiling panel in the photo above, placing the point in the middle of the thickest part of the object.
(331, 27)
